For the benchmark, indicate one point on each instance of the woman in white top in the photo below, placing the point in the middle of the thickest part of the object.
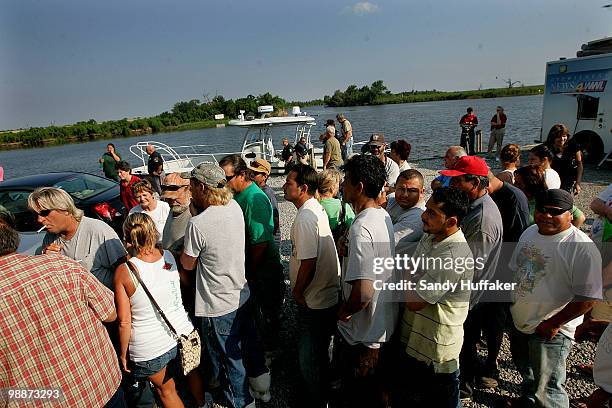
(157, 210)
(400, 151)
(152, 346)
(542, 156)
(510, 157)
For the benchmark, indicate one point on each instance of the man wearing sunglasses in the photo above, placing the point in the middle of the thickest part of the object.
(558, 272)
(90, 242)
(175, 191)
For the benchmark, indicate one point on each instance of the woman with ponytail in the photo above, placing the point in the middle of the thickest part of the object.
(152, 347)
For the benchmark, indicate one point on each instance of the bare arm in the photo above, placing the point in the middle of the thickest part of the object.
(304, 278)
(122, 279)
(579, 170)
(361, 295)
(326, 158)
(414, 302)
(256, 255)
(577, 307)
(599, 207)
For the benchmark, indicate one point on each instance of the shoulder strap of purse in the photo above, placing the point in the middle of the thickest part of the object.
(161, 312)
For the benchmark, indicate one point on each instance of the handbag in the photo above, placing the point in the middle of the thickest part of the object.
(189, 347)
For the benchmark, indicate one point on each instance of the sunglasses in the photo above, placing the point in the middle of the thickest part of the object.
(551, 210)
(228, 178)
(172, 188)
(42, 213)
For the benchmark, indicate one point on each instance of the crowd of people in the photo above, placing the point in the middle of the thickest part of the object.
(97, 313)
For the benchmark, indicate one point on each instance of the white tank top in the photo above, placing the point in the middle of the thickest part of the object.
(151, 337)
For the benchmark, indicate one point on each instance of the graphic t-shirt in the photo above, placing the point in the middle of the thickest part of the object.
(550, 270)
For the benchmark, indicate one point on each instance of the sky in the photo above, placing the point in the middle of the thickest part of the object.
(63, 61)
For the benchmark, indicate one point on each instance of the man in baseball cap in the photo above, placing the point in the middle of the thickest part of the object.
(204, 176)
(483, 230)
(558, 271)
(376, 146)
(259, 172)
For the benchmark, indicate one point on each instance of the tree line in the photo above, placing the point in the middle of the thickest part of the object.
(182, 113)
(378, 94)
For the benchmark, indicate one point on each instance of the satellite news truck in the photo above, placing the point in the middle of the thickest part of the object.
(577, 94)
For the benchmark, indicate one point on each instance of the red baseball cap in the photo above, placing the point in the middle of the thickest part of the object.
(472, 165)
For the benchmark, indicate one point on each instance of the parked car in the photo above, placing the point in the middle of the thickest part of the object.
(98, 197)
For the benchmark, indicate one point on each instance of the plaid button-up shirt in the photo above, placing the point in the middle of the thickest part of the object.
(51, 313)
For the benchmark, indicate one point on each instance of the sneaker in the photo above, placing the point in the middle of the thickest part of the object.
(259, 387)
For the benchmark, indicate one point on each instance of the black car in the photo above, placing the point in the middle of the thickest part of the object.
(98, 197)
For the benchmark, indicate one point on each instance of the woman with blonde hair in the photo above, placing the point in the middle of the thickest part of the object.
(510, 157)
(329, 185)
(148, 204)
(142, 330)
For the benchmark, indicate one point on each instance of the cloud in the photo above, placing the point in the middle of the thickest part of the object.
(363, 7)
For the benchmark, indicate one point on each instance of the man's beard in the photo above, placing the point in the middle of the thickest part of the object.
(179, 209)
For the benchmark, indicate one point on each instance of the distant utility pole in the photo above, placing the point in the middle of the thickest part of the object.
(509, 82)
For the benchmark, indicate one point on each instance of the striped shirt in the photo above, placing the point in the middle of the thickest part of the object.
(434, 334)
(51, 311)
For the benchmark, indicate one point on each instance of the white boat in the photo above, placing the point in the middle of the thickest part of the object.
(257, 143)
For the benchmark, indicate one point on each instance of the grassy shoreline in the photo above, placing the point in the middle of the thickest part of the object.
(57, 141)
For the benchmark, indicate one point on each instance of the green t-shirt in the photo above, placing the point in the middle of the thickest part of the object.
(259, 224)
(332, 208)
(109, 165)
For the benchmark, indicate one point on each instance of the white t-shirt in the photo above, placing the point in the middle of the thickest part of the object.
(550, 271)
(216, 238)
(159, 216)
(404, 166)
(552, 178)
(150, 336)
(370, 236)
(392, 170)
(311, 237)
(597, 229)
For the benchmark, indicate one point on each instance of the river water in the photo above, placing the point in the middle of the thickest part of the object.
(430, 127)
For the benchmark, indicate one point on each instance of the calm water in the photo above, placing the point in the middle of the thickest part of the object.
(429, 127)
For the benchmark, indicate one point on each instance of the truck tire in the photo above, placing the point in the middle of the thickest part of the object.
(591, 146)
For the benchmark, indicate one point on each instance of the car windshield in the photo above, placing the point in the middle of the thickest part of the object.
(83, 186)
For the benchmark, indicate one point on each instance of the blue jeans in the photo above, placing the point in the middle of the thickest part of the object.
(541, 363)
(315, 329)
(347, 149)
(223, 337)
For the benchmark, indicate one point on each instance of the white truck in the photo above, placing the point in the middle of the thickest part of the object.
(577, 94)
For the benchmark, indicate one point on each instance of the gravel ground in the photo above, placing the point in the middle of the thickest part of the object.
(285, 373)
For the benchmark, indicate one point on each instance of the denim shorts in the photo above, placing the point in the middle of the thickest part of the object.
(145, 369)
